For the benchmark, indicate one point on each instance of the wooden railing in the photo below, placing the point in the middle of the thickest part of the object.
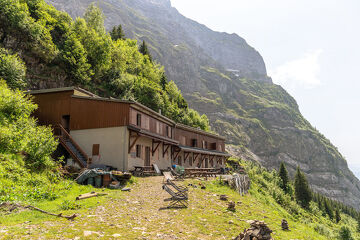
(61, 133)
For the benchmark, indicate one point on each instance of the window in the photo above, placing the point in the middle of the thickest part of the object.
(96, 149)
(168, 131)
(194, 142)
(138, 151)
(213, 146)
(138, 119)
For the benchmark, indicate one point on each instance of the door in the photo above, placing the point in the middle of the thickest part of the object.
(65, 122)
(147, 156)
(206, 163)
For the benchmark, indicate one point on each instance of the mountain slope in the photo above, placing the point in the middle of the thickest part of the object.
(260, 119)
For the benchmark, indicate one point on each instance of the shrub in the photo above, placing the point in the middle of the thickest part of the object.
(345, 233)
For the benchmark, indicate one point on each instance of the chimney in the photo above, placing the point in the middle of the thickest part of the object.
(160, 111)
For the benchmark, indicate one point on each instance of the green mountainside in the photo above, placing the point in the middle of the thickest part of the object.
(220, 75)
(58, 51)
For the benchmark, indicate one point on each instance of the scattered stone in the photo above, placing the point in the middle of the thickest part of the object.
(258, 231)
(126, 189)
(116, 235)
(89, 233)
(223, 197)
(284, 225)
(231, 206)
(231, 222)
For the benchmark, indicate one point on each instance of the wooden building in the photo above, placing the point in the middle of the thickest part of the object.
(123, 134)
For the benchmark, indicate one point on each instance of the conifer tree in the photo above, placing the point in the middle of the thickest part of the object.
(144, 50)
(358, 224)
(328, 209)
(284, 178)
(163, 81)
(302, 189)
(337, 215)
(117, 33)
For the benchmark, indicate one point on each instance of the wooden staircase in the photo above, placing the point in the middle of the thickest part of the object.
(71, 146)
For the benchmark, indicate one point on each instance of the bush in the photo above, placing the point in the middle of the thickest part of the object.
(69, 205)
(345, 233)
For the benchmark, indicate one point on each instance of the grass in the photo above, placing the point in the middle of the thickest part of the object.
(137, 215)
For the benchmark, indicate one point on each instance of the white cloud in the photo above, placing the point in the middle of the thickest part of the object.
(303, 72)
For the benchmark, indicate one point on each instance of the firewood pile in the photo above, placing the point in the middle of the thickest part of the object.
(258, 231)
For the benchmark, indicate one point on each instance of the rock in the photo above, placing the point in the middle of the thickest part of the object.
(231, 222)
(258, 231)
(116, 235)
(89, 233)
(231, 206)
(223, 197)
(284, 224)
(126, 189)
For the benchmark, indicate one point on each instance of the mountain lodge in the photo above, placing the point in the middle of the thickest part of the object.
(123, 134)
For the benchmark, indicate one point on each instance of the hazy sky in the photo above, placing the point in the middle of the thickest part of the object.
(311, 48)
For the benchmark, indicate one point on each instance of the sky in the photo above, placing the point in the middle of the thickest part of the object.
(310, 48)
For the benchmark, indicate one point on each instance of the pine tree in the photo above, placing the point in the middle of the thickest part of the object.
(302, 189)
(328, 209)
(163, 81)
(144, 50)
(345, 233)
(337, 215)
(117, 33)
(358, 224)
(284, 178)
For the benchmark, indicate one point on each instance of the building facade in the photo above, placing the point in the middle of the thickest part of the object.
(123, 134)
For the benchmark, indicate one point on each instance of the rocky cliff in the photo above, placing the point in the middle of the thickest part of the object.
(261, 120)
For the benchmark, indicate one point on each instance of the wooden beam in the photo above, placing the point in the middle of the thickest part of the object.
(177, 154)
(211, 157)
(186, 156)
(133, 143)
(152, 146)
(195, 156)
(165, 149)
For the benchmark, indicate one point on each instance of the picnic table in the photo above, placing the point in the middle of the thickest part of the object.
(201, 172)
(143, 170)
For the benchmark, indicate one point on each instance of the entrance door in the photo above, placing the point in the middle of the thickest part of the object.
(65, 122)
(206, 163)
(147, 156)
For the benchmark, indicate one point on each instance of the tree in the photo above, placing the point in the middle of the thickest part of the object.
(284, 178)
(12, 69)
(358, 224)
(144, 50)
(345, 233)
(337, 215)
(302, 189)
(328, 209)
(94, 18)
(117, 33)
(163, 81)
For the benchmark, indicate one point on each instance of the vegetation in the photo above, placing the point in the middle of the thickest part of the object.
(302, 189)
(117, 33)
(80, 52)
(284, 178)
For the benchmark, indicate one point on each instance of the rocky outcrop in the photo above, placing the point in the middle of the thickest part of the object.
(222, 76)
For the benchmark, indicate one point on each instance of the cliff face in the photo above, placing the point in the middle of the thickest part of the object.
(261, 120)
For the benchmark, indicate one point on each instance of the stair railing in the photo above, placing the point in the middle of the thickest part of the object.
(61, 133)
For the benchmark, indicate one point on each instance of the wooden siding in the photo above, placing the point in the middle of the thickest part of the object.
(150, 123)
(88, 114)
(52, 106)
(185, 138)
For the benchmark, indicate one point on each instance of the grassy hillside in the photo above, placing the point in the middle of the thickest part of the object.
(140, 214)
